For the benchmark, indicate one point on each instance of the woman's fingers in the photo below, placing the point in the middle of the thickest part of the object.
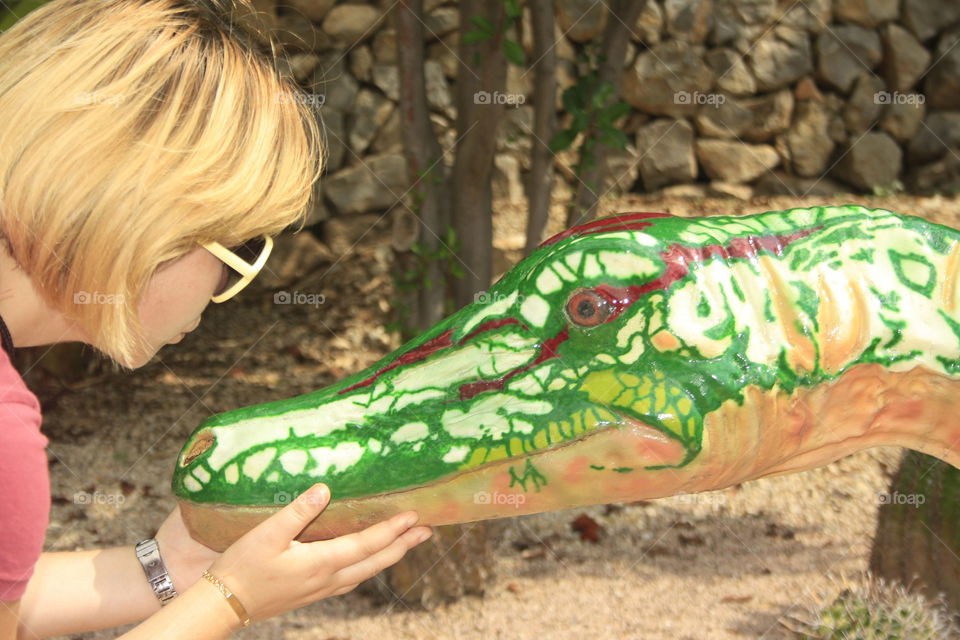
(352, 548)
(344, 589)
(271, 572)
(388, 556)
(286, 524)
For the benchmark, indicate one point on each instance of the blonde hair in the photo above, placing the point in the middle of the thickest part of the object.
(131, 130)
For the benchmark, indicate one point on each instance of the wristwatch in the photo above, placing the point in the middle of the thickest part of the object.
(148, 553)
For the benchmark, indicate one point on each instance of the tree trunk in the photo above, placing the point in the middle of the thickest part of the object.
(427, 171)
(458, 559)
(540, 180)
(623, 14)
(478, 118)
(918, 528)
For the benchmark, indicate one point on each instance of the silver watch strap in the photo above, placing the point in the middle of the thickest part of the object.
(148, 552)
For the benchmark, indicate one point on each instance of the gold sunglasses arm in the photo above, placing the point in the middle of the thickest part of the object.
(262, 260)
(236, 262)
(247, 271)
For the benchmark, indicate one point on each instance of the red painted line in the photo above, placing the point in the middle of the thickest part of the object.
(677, 259)
(618, 222)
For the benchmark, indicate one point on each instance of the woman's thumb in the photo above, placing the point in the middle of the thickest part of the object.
(292, 519)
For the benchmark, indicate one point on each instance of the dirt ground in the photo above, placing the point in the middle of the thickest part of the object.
(724, 565)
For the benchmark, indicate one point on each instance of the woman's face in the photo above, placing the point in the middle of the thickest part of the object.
(175, 298)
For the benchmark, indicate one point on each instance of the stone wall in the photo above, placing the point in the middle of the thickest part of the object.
(729, 96)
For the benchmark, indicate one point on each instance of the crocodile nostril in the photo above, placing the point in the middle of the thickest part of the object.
(203, 442)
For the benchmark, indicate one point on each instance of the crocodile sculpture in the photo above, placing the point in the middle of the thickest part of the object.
(637, 356)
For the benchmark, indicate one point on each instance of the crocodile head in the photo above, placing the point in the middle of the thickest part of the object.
(568, 342)
(632, 357)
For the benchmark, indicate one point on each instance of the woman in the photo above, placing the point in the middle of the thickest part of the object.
(138, 140)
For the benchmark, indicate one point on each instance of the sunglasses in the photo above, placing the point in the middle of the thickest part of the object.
(243, 263)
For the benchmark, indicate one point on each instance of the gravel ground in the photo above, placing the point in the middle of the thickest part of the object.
(728, 564)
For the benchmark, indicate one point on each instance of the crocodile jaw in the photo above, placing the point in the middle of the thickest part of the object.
(558, 478)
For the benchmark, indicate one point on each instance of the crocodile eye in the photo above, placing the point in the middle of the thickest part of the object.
(588, 308)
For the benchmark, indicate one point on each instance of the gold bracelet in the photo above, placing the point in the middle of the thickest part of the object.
(232, 599)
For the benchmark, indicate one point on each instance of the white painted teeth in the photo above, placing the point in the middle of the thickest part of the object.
(255, 464)
(294, 461)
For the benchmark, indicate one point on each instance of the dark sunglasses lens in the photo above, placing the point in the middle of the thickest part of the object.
(249, 251)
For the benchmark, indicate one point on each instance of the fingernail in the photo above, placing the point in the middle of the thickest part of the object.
(410, 520)
(423, 536)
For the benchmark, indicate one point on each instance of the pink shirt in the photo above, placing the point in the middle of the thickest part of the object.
(24, 482)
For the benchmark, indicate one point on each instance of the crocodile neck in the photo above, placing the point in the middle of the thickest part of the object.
(867, 329)
(894, 339)
(869, 407)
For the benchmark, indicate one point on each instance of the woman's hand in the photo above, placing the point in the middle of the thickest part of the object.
(184, 557)
(270, 572)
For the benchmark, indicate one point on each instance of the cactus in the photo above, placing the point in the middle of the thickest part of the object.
(875, 609)
(918, 528)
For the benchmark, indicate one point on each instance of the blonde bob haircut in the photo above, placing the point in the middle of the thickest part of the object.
(131, 131)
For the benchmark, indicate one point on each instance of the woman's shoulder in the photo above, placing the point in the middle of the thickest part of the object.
(20, 415)
(24, 482)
